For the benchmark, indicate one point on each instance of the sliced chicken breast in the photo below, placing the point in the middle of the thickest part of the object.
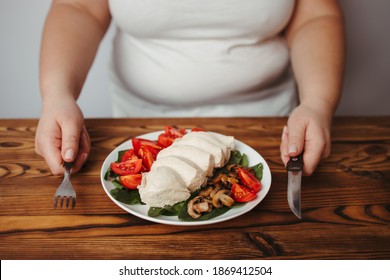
(192, 176)
(204, 145)
(207, 136)
(228, 141)
(203, 160)
(162, 186)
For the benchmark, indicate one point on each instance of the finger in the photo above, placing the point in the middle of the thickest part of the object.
(87, 136)
(84, 149)
(284, 146)
(70, 141)
(327, 149)
(48, 145)
(296, 138)
(79, 162)
(51, 151)
(314, 151)
(54, 160)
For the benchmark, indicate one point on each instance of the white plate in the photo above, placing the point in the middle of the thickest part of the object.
(141, 211)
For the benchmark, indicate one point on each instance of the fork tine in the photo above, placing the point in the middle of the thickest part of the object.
(65, 190)
(55, 202)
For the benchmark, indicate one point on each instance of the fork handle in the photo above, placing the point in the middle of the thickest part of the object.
(68, 166)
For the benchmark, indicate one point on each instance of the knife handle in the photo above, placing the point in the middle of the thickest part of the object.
(295, 163)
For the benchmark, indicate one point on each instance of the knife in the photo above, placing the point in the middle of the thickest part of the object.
(294, 167)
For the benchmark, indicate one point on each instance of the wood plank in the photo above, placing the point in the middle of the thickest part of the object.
(346, 203)
(253, 243)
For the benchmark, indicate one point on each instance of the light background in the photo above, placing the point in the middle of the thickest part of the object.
(366, 88)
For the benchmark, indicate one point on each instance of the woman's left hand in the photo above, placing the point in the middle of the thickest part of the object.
(307, 131)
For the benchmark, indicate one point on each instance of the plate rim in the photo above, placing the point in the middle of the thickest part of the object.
(168, 219)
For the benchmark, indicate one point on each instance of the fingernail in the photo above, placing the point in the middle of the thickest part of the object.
(292, 149)
(69, 154)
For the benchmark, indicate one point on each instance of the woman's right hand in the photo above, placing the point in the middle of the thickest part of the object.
(61, 134)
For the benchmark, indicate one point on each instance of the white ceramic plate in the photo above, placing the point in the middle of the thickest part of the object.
(141, 211)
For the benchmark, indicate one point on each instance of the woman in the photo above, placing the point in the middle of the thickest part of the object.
(195, 58)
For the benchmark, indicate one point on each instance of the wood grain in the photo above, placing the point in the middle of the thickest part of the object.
(345, 204)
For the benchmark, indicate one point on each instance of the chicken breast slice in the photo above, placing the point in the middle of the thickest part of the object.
(208, 136)
(162, 186)
(214, 150)
(228, 141)
(192, 176)
(203, 160)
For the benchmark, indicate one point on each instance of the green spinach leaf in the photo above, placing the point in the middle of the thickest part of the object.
(125, 196)
(166, 210)
(258, 169)
(235, 157)
(117, 184)
(109, 174)
(244, 160)
(120, 154)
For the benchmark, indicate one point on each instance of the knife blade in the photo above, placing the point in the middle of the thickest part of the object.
(294, 167)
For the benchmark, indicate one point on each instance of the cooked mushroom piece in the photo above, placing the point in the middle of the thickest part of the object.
(217, 178)
(222, 198)
(232, 180)
(202, 207)
(215, 190)
(224, 180)
(206, 191)
(197, 206)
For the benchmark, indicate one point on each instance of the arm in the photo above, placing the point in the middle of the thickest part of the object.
(71, 36)
(316, 40)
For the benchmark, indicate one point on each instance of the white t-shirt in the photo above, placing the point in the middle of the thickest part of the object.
(175, 58)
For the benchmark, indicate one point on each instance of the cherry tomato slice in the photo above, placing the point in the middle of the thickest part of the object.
(138, 143)
(126, 167)
(242, 194)
(148, 156)
(165, 140)
(174, 131)
(131, 181)
(129, 155)
(249, 180)
(196, 129)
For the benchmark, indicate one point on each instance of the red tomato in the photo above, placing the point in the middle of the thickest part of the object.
(195, 129)
(242, 194)
(165, 140)
(131, 181)
(148, 156)
(126, 167)
(139, 143)
(129, 155)
(249, 180)
(174, 131)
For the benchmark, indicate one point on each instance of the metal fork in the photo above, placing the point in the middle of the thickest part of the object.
(66, 190)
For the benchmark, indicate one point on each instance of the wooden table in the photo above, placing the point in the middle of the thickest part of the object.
(345, 204)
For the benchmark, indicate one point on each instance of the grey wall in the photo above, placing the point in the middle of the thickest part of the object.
(367, 77)
(366, 87)
(21, 23)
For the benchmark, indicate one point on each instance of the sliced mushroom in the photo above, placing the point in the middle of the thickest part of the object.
(232, 180)
(202, 207)
(214, 191)
(206, 191)
(197, 206)
(230, 166)
(224, 180)
(222, 198)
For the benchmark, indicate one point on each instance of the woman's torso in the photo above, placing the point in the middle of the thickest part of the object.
(187, 53)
